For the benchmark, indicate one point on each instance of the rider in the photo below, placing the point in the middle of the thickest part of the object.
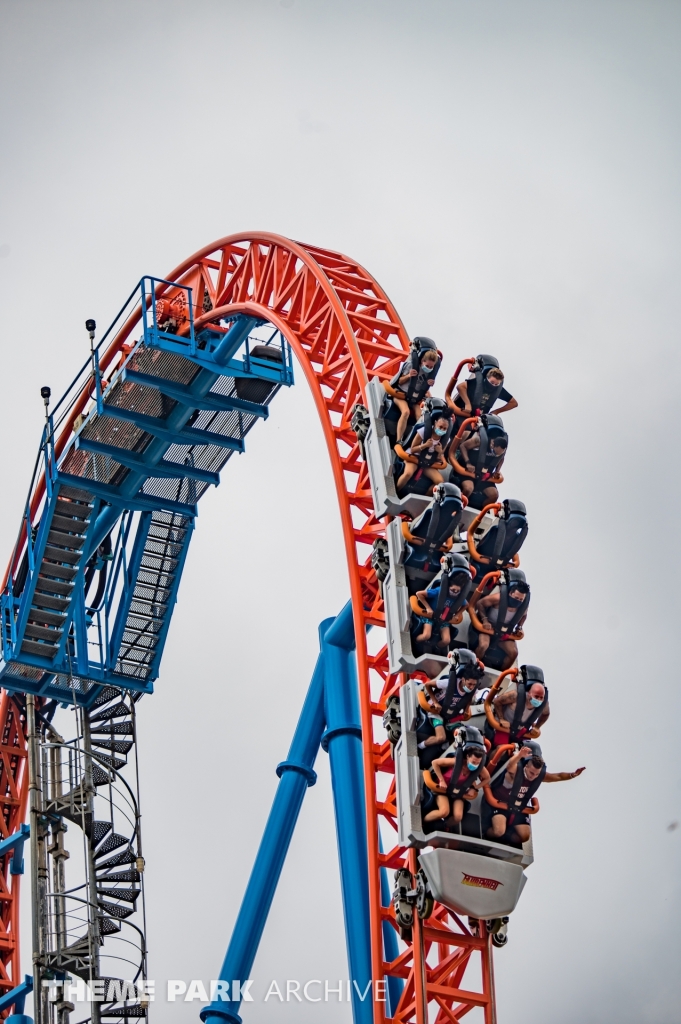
(441, 604)
(482, 389)
(509, 796)
(482, 467)
(521, 710)
(411, 383)
(460, 774)
(455, 694)
(430, 731)
(427, 453)
(497, 620)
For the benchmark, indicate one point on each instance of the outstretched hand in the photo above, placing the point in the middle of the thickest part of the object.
(577, 772)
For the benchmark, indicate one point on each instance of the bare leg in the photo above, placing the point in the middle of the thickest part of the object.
(404, 417)
(522, 833)
(435, 476)
(498, 827)
(483, 644)
(441, 811)
(425, 633)
(490, 494)
(457, 811)
(510, 651)
(467, 487)
(408, 472)
(445, 636)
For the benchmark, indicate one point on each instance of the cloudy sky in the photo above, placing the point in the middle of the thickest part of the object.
(509, 172)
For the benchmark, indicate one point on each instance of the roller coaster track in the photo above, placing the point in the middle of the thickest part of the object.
(344, 331)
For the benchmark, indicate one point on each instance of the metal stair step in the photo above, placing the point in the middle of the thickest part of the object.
(45, 585)
(115, 746)
(99, 776)
(113, 762)
(78, 510)
(125, 857)
(40, 600)
(127, 895)
(62, 572)
(114, 711)
(68, 525)
(53, 635)
(108, 925)
(117, 728)
(98, 830)
(115, 910)
(38, 649)
(39, 615)
(62, 554)
(124, 1011)
(111, 843)
(107, 694)
(120, 876)
(74, 541)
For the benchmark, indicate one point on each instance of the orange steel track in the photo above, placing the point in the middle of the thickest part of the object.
(13, 800)
(344, 330)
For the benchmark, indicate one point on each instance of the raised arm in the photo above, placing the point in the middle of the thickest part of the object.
(563, 776)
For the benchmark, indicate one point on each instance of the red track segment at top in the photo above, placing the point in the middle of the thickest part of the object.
(344, 330)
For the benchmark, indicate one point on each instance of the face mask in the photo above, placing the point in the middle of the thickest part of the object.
(472, 767)
(468, 688)
(440, 432)
(536, 702)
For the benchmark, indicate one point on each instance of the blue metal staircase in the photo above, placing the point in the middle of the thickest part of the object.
(121, 499)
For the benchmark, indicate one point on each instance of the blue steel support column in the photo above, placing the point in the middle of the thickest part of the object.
(296, 775)
(343, 741)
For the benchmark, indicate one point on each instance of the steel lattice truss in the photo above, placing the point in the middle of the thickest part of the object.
(13, 800)
(344, 331)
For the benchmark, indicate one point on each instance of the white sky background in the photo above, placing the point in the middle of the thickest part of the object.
(509, 172)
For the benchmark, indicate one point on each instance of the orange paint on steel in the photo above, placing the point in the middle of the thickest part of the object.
(344, 331)
(13, 800)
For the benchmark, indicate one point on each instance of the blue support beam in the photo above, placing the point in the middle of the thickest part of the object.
(16, 844)
(343, 741)
(169, 470)
(16, 997)
(182, 393)
(296, 773)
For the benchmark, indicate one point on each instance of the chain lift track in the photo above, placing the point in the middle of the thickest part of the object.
(344, 331)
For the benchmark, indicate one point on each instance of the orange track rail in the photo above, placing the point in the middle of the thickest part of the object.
(344, 330)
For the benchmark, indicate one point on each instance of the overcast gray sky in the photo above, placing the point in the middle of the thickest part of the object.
(509, 171)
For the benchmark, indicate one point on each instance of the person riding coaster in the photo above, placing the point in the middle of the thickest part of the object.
(431, 738)
(510, 799)
(497, 610)
(419, 461)
(452, 697)
(454, 780)
(412, 382)
(500, 545)
(483, 388)
(477, 461)
(436, 610)
(429, 536)
(521, 710)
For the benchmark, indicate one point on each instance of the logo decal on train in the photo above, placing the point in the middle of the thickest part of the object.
(479, 882)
